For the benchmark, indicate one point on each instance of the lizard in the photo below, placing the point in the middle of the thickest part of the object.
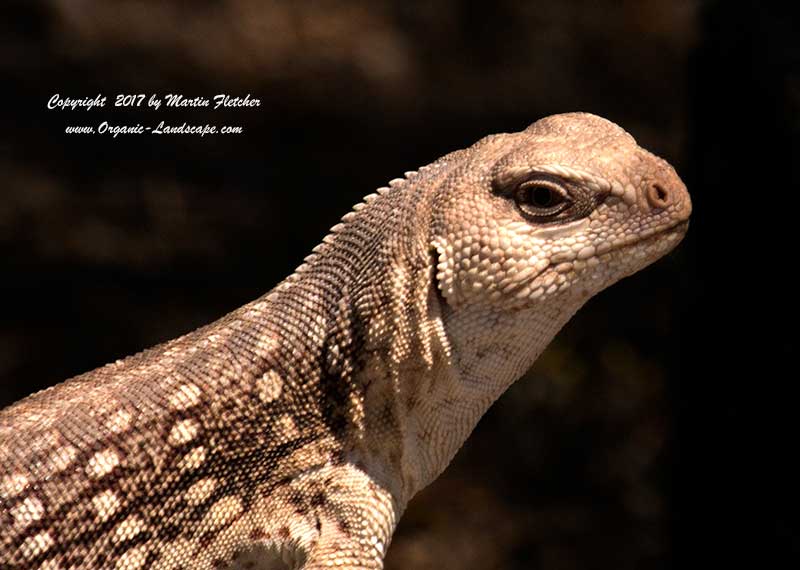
(293, 431)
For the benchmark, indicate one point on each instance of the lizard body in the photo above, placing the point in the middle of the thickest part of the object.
(294, 431)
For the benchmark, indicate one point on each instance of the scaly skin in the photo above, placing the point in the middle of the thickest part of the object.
(295, 430)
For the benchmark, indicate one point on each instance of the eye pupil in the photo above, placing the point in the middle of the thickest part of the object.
(542, 197)
(542, 200)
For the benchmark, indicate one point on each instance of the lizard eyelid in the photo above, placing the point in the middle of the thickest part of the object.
(541, 198)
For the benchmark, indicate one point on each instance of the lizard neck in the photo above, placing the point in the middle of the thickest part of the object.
(403, 377)
(429, 372)
(478, 354)
(399, 378)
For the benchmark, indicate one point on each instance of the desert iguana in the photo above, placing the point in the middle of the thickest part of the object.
(294, 430)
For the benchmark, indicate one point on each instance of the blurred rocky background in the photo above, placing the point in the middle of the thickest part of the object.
(656, 432)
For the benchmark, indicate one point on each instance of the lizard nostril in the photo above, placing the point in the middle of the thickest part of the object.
(657, 196)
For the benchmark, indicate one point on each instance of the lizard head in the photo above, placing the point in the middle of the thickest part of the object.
(566, 207)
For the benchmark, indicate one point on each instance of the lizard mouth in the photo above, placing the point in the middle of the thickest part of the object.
(675, 229)
(673, 233)
(681, 227)
(670, 235)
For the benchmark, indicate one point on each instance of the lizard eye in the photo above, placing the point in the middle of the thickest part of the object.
(541, 199)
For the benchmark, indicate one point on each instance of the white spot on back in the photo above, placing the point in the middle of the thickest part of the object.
(269, 386)
(102, 463)
(266, 344)
(223, 512)
(120, 421)
(186, 396)
(63, 457)
(27, 512)
(183, 432)
(37, 544)
(200, 491)
(106, 504)
(193, 459)
(129, 528)
(12, 485)
(286, 427)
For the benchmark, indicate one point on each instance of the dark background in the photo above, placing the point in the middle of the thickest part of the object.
(659, 429)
